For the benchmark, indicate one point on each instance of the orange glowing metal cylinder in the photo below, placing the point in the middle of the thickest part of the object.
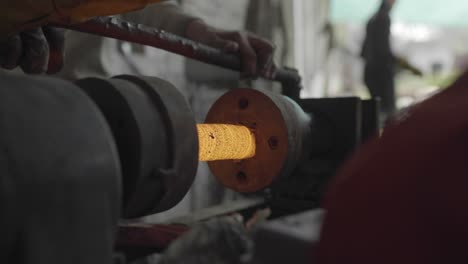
(225, 142)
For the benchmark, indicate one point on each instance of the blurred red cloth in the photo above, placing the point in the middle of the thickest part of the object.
(404, 198)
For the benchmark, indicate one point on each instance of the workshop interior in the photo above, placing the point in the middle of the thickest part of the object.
(247, 131)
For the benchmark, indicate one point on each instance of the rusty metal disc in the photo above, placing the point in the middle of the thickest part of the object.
(258, 111)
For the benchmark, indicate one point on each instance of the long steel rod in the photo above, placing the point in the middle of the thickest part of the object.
(116, 28)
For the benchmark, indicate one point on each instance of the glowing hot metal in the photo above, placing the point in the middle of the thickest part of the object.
(225, 142)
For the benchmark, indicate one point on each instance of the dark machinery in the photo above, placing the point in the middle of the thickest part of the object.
(300, 144)
(155, 134)
(315, 135)
(131, 143)
(128, 147)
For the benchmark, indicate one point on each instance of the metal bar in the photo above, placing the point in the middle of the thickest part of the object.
(116, 28)
(140, 240)
(220, 210)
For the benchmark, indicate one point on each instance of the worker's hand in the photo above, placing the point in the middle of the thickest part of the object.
(36, 51)
(256, 53)
(416, 72)
(221, 240)
(405, 64)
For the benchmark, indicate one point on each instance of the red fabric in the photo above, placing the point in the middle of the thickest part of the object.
(404, 198)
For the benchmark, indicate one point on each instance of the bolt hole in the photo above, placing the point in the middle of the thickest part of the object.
(241, 177)
(243, 103)
(273, 142)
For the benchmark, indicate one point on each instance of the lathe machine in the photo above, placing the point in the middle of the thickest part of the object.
(90, 152)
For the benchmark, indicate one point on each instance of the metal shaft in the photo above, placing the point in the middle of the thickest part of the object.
(113, 27)
(225, 142)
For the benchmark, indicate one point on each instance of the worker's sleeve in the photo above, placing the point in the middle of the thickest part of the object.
(167, 16)
(15, 14)
(403, 198)
(20, 15)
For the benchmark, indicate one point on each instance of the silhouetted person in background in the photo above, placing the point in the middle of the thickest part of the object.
(379, 69)
(380, 62)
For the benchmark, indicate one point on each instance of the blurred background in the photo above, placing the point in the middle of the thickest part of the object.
(430, 34)
(322, 39)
